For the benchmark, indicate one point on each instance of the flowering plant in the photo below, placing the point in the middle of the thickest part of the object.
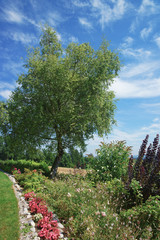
(48, 226)
(29, 195)
(37, 217)
(16, 171)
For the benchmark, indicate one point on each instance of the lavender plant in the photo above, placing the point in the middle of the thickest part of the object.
(146, 169)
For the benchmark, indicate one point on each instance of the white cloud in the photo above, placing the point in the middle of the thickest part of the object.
(136, 53)
(146, 105)
(128, 41)
(156, 119)
(152, 108)
(157, 41)
(34, 3)
(134, 25)
(109, 14)
(84, 22)
(31, 21)
(148, 7)
(5, 93)
(144, 69)
(15, 68)
(133, 139)
(6, 85)
(54, 18)
(59, 36)
(136, 89)
(145, 32)
(6, 89)
(24, 38)
(136, 137)
(73, 39)
(81, 4)
(13, 15)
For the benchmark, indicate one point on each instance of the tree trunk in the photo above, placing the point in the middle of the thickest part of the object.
(58, 158)
(56, 164)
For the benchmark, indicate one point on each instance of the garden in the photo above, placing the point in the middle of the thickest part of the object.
(117, 198)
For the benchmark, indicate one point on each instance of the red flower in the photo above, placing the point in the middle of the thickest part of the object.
(29, 195)
(48, 226)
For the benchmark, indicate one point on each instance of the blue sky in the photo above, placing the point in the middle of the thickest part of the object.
(132, 27)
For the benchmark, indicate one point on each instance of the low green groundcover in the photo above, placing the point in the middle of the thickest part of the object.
(9, 219)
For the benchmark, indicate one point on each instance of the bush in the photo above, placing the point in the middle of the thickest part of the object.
(8, 166)
(31, 180)
(145, 217)
(111, 161)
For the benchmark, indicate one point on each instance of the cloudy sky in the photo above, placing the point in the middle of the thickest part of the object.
(131, 26)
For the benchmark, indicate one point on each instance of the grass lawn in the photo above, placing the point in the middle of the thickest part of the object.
(9, 219)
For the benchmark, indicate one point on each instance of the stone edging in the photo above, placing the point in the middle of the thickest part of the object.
(25, 218)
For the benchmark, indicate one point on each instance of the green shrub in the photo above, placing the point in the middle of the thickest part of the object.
(146, 217)
(31, 180)
(111, 161)
(8, 166)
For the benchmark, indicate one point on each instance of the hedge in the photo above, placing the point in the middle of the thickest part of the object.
(8, 166)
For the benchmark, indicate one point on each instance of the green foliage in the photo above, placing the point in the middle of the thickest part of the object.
(66, 161)
(8, 166)
(31, 180)
(63, 98)
(4, 117)
(146, 169)
(136, 190)
(111, 161)
(26, 229)
(37, 217)
(146, 216)
(73, 159)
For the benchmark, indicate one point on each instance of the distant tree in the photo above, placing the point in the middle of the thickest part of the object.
(4, 137)
(66, 161)
(77, 157)
(64, 96)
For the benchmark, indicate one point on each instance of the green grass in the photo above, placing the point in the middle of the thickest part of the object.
(9, 219)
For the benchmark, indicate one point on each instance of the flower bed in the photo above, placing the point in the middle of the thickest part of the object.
(47, 226)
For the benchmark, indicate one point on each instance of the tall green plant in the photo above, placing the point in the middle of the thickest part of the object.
(146, 169)
(112, 160)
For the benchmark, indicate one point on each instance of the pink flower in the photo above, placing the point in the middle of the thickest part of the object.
(54, 235)
(97, 213)
(103, 214)
(54, 223)
(48, 226)
(43, 233)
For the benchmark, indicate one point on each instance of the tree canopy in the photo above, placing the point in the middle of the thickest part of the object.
(63, 97)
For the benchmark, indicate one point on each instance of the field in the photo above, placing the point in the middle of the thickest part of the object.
(72, 171)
